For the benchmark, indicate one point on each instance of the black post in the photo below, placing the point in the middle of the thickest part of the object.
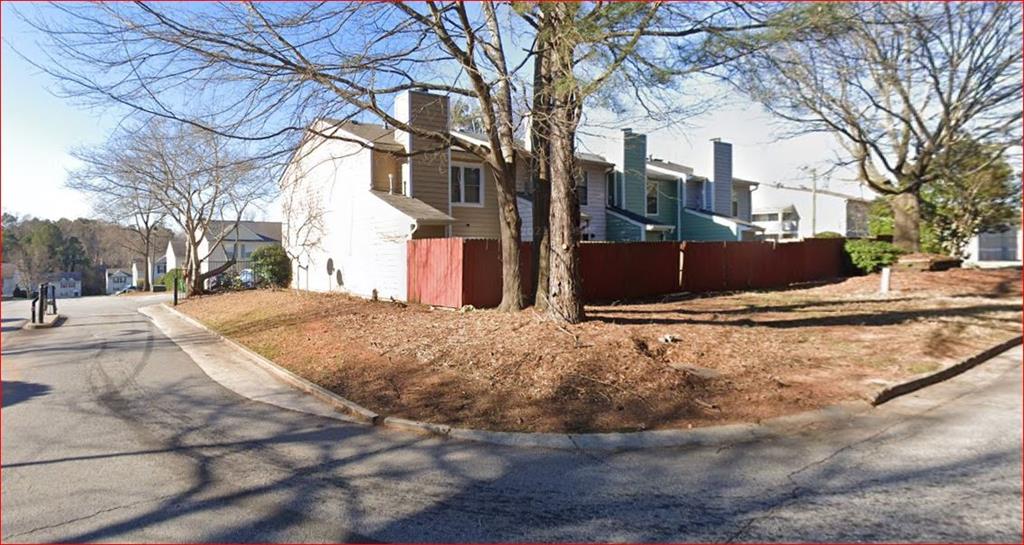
(175, 292)
(34, 301)
(44, 290)
(53, 299)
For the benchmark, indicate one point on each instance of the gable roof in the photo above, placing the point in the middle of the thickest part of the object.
(248, 231)
(58, 276)
(379, 136)
(639, 219)
(177, 246)
(670, 166)
(414, 208)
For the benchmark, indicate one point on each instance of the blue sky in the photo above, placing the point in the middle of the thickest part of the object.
(40, 129)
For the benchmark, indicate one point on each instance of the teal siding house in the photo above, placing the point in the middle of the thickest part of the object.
(651, 199)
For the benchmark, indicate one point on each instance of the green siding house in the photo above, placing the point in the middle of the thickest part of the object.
(652, 199)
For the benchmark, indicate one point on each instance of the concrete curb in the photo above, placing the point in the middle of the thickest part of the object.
(337, 402)
(729, 434)
(927, 379)
(52, 320)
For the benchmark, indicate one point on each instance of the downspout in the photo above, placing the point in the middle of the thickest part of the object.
(680, 200)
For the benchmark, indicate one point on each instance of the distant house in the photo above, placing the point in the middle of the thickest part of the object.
(139, 269)
(117, 280)
(236, 244)
(68, 284)
(996, 247)
(11, 278)
(779, 223)
(174, 256)
(814, 211)
(222, 243)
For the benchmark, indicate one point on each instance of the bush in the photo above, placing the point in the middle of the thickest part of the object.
(272, 266)
(168, 280)
(871, 255)
(828, 234)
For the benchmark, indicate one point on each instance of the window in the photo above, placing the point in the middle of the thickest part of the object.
(765, 217)
(611, 189)
(735, 208)
(246, 253)
(466, 185)
(789, 216)
(581, 188)
(652, 198)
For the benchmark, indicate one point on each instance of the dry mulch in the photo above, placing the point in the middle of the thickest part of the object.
(731, 357)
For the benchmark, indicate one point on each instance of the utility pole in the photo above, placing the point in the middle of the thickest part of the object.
(814, 201)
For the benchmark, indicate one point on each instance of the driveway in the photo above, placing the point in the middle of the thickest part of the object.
(111, 433)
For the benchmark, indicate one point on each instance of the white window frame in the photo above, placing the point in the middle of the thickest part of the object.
(647, 191)
(462, 185)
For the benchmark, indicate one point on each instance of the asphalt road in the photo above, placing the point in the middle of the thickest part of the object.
(111, 433)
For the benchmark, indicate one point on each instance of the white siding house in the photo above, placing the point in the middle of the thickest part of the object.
(117, 280)
(996, 248)
(815, 211)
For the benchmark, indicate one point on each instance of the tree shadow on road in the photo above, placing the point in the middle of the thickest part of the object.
(15, 392)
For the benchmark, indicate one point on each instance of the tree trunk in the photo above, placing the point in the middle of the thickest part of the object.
(147, 279)
(509, 224)
(540, 172)
(906, 211)
(564, 298)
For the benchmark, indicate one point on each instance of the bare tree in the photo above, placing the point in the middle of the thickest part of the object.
(193, 176)
(268, 72)
(599, 53)
(118, 196)
(898, 85)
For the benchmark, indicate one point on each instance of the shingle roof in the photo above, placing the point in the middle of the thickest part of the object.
(265, 231)
(414, 208)
(378, 135)
(636, 217)
(669, 165)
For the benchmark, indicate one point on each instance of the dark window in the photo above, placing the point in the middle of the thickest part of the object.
(467, 185)
(652, 198)
(735, 208)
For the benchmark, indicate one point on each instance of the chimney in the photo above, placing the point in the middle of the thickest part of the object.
(630, 171)
(425, 175)
(721, 176)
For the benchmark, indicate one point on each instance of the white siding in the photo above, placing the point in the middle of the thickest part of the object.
(830, 209)
(363, 237)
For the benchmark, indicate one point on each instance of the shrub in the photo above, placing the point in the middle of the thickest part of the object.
(168, 280)
(828, 234)
(871, 255)
(272, 266)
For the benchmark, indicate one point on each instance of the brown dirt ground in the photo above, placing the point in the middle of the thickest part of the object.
(736, 357)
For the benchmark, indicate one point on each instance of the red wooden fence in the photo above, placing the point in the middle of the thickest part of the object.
(453, 272)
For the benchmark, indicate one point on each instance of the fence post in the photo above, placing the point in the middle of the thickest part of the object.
(175, 282)
(43, 292)
(34, 301)
(53, 298)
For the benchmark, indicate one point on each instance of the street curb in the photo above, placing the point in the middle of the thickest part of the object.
(927, 379)
(724, 435)
(339, 403)
(57, 320)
